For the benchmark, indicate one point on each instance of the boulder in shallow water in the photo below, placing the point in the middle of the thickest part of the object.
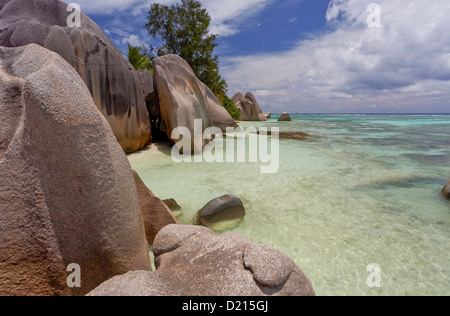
(285, 117)
(113, 82)
(222, 209)
(194, 261)
(446, 190)
(155, 213)
(67, 193)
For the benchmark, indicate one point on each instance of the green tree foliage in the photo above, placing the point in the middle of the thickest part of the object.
(182, 29)
(139, 59)
(218, 86)
(228, 104)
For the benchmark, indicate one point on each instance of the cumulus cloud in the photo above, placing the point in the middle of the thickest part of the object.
(404, 65)
(133, 40)
(226, 16)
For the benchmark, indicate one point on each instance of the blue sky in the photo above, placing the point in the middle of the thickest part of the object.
(316, 56)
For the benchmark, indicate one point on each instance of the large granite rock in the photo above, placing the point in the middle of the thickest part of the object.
(146, 80)
(151, 98)
(111, 79)
(155, 213)
(67, 193)
(446, 190)
(182, 98)
(249, 107)
(193, 261)
(224, 208)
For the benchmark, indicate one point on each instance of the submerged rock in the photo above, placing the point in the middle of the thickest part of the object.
(173, 206)
(222, 209)
(446, 190)
(111, 79)
(67, 193)
(285, 117)
(194, 261)
(287, 135)
(155, 213)
(294, 135)
(249, 107)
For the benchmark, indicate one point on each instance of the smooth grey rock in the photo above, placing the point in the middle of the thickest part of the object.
(182, 98)
(224, 208)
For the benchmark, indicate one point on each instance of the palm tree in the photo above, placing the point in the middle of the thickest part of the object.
(139, 60)
(219, 86)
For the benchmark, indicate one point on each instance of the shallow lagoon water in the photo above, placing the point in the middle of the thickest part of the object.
(363, 189)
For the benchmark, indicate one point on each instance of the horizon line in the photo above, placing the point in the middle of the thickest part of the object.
(304, 113)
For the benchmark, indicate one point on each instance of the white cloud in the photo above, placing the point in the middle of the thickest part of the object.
(133, 40)
(226, 16)
(107, 6)
(352, 67)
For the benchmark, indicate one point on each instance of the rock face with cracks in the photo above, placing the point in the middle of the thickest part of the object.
(114, 84)
(193, 261)
(67, 193)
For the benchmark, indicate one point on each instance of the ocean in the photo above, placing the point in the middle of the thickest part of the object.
(362, 190)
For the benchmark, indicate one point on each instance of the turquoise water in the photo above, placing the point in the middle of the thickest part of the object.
(363, 189)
